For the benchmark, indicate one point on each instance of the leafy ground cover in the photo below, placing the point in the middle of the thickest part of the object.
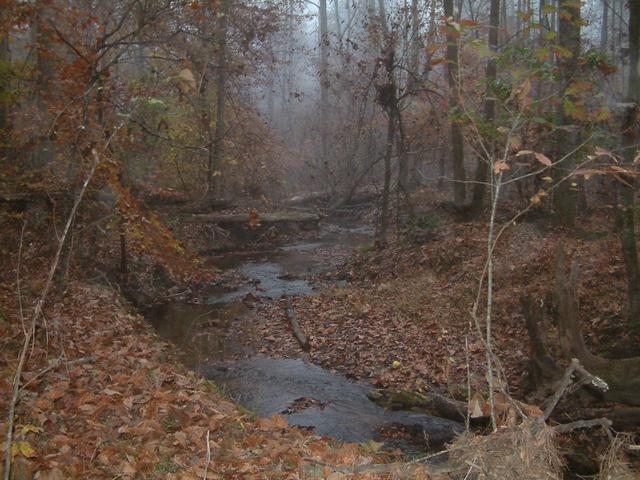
(103, 397)
(405, 318)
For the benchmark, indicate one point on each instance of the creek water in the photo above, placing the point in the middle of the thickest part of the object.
(309, 396)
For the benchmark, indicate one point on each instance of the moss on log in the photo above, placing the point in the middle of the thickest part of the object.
(431, 403)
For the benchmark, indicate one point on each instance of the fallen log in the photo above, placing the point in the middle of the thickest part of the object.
(295, 326)
(431, 403)
(622, 418)
(238, 219)
(308, 198)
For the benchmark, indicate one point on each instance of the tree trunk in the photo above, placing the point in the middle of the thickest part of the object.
(480, 188)
(336, 11)
(626, 190)
(5, 83)
(324, 83)
(403, 166)
(622, 375)
(383, 225)
(288, 69)
(543, 371)
(41, 34)
(139, 51)
(564, 198)
(604, 28)
(217, 149)
(414, 46)
(388, 99)
(457, 140)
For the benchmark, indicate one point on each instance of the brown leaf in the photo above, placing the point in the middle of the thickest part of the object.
(543, 159)
(500, 166)
(53, 474)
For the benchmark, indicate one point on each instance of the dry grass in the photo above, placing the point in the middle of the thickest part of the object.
(524, 452)
(614, 465)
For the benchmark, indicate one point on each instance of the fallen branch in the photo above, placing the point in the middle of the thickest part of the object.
(295, 326)
(570, 427)
(34, 318)
(567, 379)
(622, 418)
(55, 364)
(396, 467)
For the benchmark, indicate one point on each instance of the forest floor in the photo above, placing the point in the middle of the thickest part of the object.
(404, 319)
(105, 398)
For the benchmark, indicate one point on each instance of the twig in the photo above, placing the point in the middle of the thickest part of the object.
(290, 313)
(18, 287)
(208, 457)
(55, 364)
(467, 419)
(34, 319)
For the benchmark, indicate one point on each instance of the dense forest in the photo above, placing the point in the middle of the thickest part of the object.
(319, 239)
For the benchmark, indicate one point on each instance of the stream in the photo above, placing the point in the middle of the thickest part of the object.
(211, 340)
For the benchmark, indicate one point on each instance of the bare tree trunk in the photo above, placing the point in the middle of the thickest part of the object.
(41, 34)
(336, 11)
(564, 198)
(543, 370)
(388, 99)
(5, 82)
(604, 28)
(480, 188)
(324, 82)
(415, 44)
(217, 149)
(288, 70)
(383, 226)
(457, 140)
(139, 49)
(626, 191)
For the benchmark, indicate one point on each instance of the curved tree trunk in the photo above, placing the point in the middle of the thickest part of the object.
(623, 375)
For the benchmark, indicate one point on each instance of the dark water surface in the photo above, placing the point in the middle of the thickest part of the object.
(272, 385)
